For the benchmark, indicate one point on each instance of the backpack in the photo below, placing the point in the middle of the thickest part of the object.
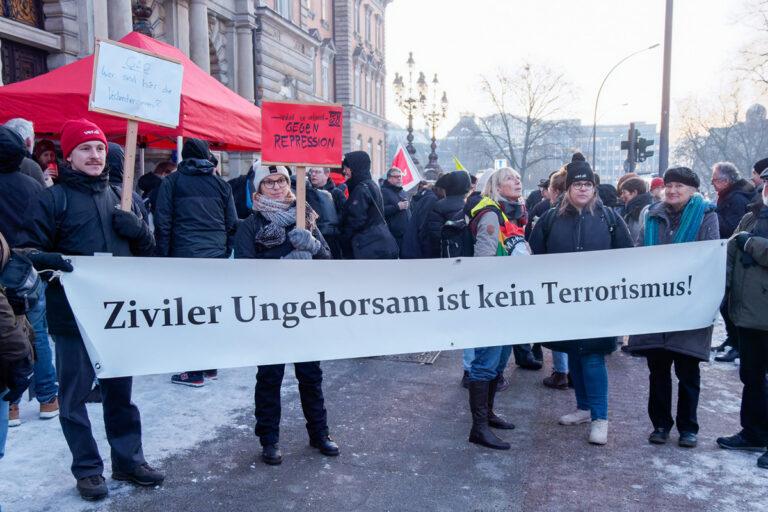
(22, 285)
(456, 239)
(608, 214)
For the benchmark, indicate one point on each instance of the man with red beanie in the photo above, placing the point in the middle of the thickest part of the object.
(80, 215)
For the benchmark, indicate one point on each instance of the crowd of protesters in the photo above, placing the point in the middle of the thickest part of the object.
(56, 202)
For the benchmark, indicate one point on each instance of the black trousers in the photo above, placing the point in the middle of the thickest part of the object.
(267, 398)
(122, 421)
(660, 397)
(754, 397)
(731, 331)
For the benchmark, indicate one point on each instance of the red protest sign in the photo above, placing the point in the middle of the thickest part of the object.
(302, 134)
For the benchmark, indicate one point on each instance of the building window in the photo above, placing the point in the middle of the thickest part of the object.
(283, 8)
(382, 156)
(324, 80)
(368, 94)
(370, 150)
(357, 16)
(359, 143)
(368, 23)
(377, 108)
(324, 10)
(356, 99)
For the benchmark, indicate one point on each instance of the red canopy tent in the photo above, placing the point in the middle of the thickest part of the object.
(209, 110)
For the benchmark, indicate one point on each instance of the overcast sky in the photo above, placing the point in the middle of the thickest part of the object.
(462, 41)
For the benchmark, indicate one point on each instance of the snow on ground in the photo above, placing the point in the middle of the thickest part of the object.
(35, 475)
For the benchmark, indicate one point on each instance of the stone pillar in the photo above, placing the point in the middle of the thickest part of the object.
(245, 82)
(100, 19)
(120, 18)
(199, 50)
(182, 26)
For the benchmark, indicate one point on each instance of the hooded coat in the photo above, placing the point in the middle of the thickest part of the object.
(732, 205)
(17, 190)
(421, 204)
(397, 219)
(747, 283)
(242, 193)
(74, 217)
(363, 226)
(456, 186)
(115, 164)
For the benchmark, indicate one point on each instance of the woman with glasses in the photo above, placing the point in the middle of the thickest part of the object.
(683, 216)
(271, 233)
(581, 223)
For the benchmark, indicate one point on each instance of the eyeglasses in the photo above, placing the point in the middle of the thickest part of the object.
(275, 183)
(583, 185)
(397, 176)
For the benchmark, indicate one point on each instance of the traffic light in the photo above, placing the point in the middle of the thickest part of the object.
(642, 149)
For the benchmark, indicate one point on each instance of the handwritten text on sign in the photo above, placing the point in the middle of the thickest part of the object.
(136, 85)
(307, 134)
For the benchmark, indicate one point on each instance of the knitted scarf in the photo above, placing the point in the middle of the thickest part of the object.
(690, 223)
(280, 215)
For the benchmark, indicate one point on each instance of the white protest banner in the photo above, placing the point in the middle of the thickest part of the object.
(147, 315)
(131, 83)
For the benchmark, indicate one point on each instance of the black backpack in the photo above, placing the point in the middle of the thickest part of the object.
(22, 285)
(456, 239)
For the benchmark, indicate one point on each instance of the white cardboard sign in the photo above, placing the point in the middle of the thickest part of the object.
(131, 83)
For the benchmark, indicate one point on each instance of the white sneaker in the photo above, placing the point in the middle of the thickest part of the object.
(598, 432)
(576, 418)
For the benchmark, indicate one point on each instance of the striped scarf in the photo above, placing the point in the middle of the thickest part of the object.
(690, 223)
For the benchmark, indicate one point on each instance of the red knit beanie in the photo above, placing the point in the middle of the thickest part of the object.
(657, 183)
(76, 131)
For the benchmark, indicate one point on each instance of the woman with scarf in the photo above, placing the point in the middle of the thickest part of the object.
(271, 233)
(496, 221)
(580, 222)
(684, 216)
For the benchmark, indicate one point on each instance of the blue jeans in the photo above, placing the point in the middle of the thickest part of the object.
(469, 355)
(560, 361)
(45, 387)
(489, 362)
(590, 381)
(3, 422)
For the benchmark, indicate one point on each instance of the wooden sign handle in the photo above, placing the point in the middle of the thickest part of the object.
(131, 135)
(301, 197)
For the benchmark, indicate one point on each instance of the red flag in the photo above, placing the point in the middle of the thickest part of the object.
(402, 161)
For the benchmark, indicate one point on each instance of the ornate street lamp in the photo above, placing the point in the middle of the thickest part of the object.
(410, 99)
(434, 113)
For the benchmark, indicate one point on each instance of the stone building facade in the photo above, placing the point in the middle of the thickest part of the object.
(298, 50)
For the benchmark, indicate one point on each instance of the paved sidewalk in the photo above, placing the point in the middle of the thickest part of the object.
(402, 429)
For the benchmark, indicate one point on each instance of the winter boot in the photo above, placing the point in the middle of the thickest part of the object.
(598, 432)
(92, 488)
(557, 381)
(478, 403)
(493, 420)
(740, 442)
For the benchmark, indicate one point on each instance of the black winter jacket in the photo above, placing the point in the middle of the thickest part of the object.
(732, 205)
(242, 188)
(534, 214)
(421, 204)
(246, 246)
(397, 219)
(576, 232)
(448, 208)
(363, 226)
(195, 215)
(74, 217)
(115, 163)
(337, 192)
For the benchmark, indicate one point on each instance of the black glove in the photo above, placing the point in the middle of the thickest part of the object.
(127, 224)
(49, 261)
(742, 238)
(19, 378)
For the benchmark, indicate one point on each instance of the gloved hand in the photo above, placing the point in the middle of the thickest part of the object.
(49, 261)
(741, 239)
(19, 378)
(303, 240)
(297, 255)
(127, 224)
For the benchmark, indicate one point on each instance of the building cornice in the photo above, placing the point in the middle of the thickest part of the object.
(30, 36)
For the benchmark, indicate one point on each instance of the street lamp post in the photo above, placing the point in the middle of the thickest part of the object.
(434, 113)
(597, 99)
(408, 101)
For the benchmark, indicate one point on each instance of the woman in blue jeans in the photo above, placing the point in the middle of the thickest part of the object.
(580, 222)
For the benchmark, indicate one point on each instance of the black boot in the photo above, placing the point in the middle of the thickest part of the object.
(493, 420)
(478, 403)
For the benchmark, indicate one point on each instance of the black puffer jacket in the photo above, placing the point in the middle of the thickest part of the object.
(74, 217)
(17, 190)
(115, 163)
(576, 232)
(363, 226)
(337, 192)
(421, 204)
(397, 219)
(535, 214)
(732, 205)
(448, 208)
(242, 192)
(246, 246)
(195, 215)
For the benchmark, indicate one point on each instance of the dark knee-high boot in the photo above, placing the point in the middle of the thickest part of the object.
(478, 403)
(493, 420)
